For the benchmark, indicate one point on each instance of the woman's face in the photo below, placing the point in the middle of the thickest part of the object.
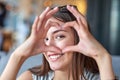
(60, 38)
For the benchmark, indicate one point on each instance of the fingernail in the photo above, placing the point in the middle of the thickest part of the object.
(47, 8)
(68, 6)
(55, 8)
(72, 7)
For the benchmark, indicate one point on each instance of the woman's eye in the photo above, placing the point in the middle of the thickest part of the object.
(60, 37)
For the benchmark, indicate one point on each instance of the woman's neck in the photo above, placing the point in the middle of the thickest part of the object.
(63, 75)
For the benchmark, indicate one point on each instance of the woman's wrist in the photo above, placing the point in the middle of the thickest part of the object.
(101, 55)
(104, 61)
(18, 56)
(24, 50)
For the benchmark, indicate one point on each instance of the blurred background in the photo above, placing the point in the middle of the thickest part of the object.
(17, 16)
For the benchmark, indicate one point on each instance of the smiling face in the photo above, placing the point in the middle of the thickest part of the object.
(60, 38)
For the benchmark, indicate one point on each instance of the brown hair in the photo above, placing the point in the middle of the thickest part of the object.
(80, 62)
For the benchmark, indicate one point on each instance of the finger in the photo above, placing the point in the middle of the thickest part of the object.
(48, 48)
(50, 23)
(71, 24)
(78, 15)
(81, 25)
(49, 14)
(52, 49)
(75, 12)
(41, 18)
(34, 26)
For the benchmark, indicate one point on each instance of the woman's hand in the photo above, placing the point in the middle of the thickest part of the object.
(87, 45)
(35, 43)
(32, 46)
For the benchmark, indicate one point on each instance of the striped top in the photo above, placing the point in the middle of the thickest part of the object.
(50, 75)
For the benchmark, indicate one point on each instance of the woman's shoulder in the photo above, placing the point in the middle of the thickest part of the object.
(27, 75)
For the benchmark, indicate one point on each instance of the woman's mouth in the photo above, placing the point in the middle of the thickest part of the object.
(55, 57)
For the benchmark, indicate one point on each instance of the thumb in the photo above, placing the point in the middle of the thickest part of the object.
(53, 49)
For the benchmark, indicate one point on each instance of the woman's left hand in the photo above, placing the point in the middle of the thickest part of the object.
(87, 44)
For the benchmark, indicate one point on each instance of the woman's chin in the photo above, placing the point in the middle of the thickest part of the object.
(55, 67)
(58, 67)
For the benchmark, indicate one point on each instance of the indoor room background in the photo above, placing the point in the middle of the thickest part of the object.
(17, 16)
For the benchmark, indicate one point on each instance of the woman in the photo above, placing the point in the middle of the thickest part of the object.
(70, 51)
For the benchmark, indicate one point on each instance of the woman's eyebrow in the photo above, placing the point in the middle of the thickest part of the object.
(59, 31)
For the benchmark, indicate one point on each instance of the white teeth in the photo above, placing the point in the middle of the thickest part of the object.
(55, 56)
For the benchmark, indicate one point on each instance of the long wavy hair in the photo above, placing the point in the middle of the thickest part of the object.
(80, 62)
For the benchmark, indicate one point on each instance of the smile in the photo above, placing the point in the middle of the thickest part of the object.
(55, 57)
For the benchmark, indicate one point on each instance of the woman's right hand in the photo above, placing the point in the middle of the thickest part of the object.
(35, 43)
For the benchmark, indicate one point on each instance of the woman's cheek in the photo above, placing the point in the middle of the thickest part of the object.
(63, 44)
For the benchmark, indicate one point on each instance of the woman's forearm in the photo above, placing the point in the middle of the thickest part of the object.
(12, 67)
(16, 60)
(104, 62)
